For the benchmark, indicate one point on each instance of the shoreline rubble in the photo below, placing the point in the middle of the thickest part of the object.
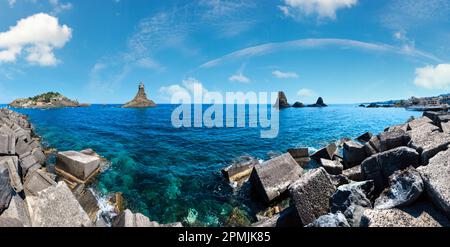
(32, 194)
(398, 178)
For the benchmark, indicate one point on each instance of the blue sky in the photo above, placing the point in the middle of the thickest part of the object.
(347, 51)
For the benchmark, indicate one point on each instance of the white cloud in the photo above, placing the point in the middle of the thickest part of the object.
(304, 92)
(239, 78)
(189, 87)
(38, 35)
(59, 7)
(11, 3)
(284, 75)
(414, 14)
(433, 77)
(148, 63)
(321, 8)
(268, 48)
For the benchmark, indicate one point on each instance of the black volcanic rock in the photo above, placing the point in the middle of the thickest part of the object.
(282, 101)
(319, 103)
(141, 100)
(298, 105)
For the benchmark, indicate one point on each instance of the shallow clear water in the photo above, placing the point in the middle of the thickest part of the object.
(174, 174)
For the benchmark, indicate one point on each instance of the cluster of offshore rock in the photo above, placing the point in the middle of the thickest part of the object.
(399, 178)
(282, 102)
(36, 193)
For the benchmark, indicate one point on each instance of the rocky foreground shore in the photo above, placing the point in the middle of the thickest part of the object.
(36, 192)
(398, 178)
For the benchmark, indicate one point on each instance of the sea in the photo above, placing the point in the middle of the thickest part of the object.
(174, 174)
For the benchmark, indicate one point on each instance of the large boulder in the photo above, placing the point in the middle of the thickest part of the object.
(6, 191)
(7, 144)
(23, 149)
(428, 141)
(286, 218)
(77, 164)
(56, 206)
(333, 167)
(436, 176)
(87, 200)
(300, 155)
(393, 139)
(37, 181)
(327, 152)
(405, 187)
(418, 215)
(18, 210)
(28, 164)
(381, 166)
(240, 170)
(129, 219)
(272, 178)
(373, 144)
(419, 122)
(354, 153)
(11, 163)
(311, 195)
(351, 199)
(364, 137)
(9, 222)
(330, 220)
(354, 173)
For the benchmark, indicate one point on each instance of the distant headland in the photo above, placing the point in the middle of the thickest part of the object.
(435, 103)
(45, 101)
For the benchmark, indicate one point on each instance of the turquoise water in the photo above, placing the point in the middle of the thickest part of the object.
(173, 174)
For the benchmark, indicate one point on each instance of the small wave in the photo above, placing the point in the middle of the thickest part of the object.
(106, 211)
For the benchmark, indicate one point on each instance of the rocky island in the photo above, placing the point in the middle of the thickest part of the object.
(141, 100)
(46, 101)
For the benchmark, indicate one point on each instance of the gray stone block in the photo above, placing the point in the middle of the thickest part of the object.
(327, 152)
(333, 167)
(7, 144)
(18, 210)
(419, 122)
(417, 215)
(56, 206)
(393, 139)
(26, 163)
(354, 153)
(381, 166)
(311, 195)
(39, 155)
(273, 177)
(128, 219)
(77, 164)
(428, 141)
(436, 177)
(11, 162)
(22, 148)
(36, 182)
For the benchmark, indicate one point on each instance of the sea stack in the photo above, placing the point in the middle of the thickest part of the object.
(319, 103)
(282, 101)
(141, 100)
